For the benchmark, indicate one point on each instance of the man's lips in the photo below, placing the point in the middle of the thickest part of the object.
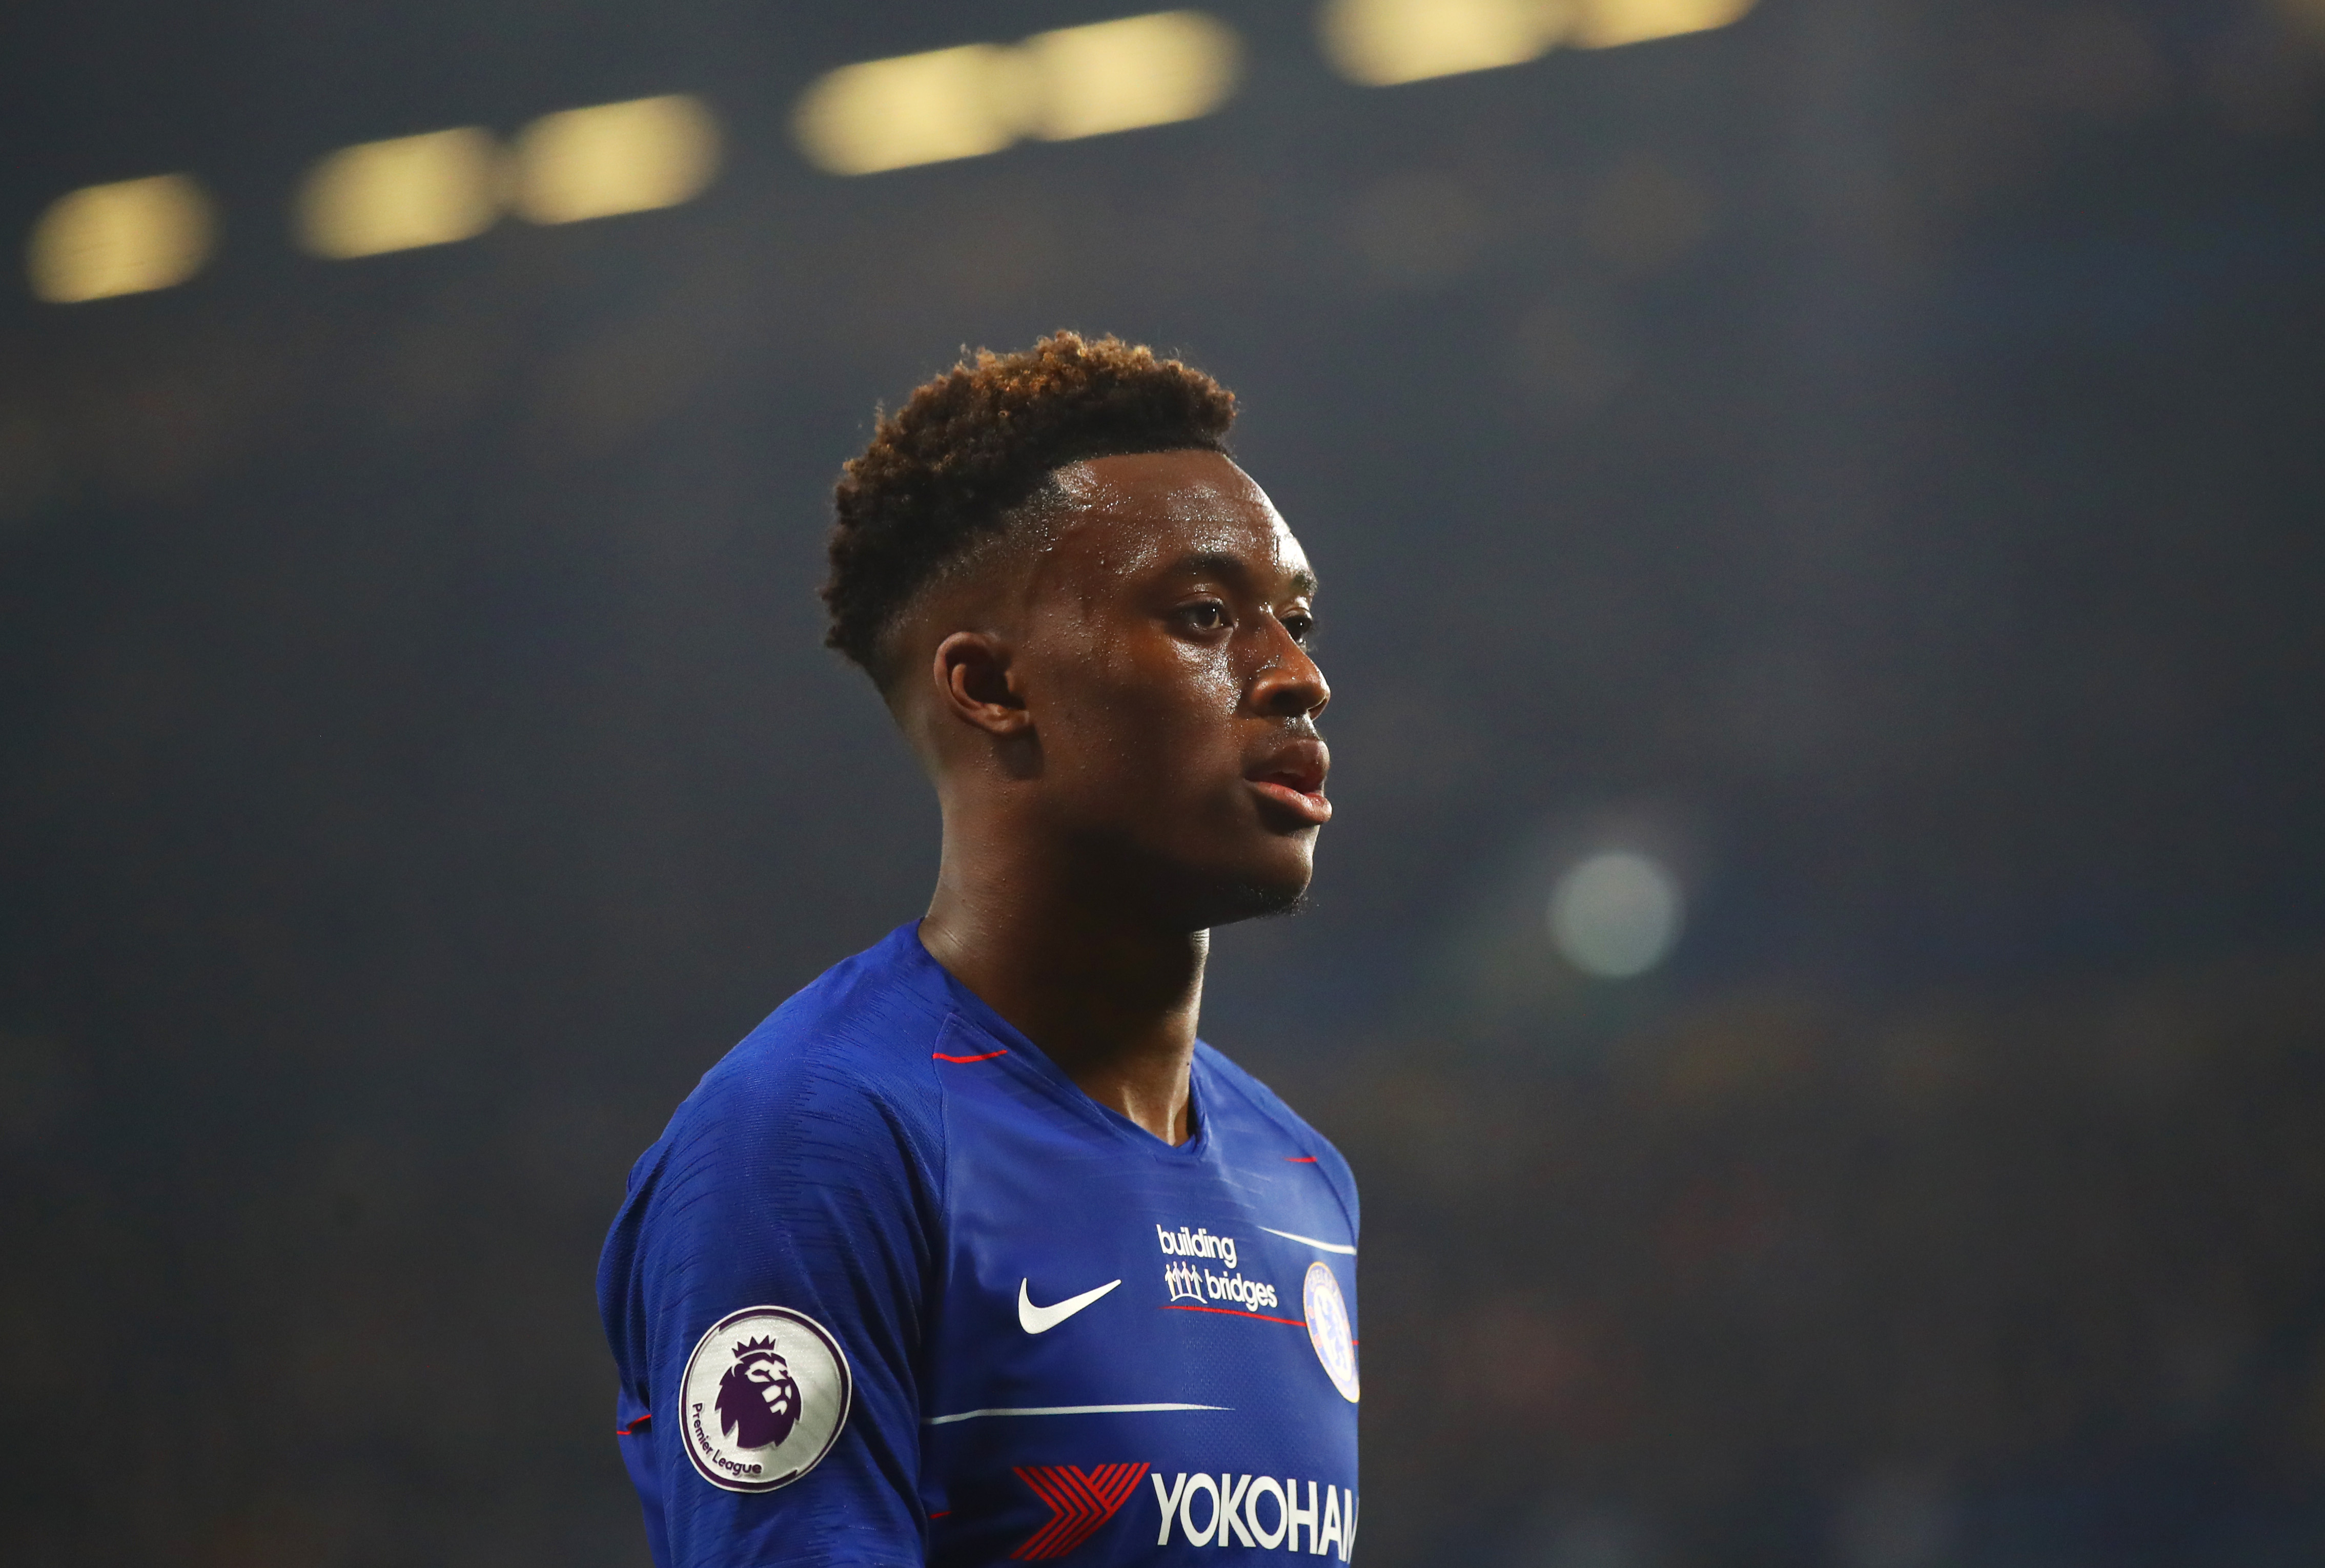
(1294, 779)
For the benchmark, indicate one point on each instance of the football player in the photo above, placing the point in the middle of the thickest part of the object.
(973, 1251)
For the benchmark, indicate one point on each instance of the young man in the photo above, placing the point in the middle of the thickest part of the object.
(973, 1252)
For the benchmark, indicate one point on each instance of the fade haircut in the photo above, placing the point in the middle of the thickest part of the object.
(949, 468)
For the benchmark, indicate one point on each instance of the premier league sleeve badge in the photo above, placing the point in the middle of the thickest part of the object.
(767, 1391)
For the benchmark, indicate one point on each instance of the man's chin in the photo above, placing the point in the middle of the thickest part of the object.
(1200, 894)
(1277, 905)
(1255, 900)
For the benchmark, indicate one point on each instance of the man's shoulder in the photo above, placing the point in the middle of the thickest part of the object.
(1261, 1110)
(820, 1131)
(1263, 1104)
(861, 1031)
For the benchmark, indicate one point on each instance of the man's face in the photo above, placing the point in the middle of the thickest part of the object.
(1164, 667)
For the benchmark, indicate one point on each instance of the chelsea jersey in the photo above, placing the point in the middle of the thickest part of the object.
(891, 1290)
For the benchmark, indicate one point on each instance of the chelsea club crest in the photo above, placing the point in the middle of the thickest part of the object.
(1328, 1328)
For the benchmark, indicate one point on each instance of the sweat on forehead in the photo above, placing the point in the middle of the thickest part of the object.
(1199, 507)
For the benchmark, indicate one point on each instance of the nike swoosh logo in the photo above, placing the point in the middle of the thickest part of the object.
(1041, 1320)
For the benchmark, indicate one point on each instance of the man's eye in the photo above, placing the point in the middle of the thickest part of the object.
(1302, 627)
(1207, 616)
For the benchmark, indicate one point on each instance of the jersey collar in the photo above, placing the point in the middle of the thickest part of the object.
(936, 983)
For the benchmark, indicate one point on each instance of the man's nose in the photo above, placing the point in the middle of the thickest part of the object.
(1290, 685)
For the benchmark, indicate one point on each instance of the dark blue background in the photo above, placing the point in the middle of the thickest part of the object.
(1869, 454)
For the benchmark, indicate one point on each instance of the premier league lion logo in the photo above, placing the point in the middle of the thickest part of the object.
(758, 1402)
(763, 1398)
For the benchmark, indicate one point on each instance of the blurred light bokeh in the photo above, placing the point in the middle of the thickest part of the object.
(1819, 965)
(128, 236)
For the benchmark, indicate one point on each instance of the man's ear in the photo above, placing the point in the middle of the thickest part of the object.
(975, 684)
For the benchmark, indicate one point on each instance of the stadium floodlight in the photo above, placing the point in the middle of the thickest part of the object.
(912, 109)
(638, 156)
(1604, 23)
(1384, 42)
(977, 98)
(128, 238)
(399, 195)
(1130, 74)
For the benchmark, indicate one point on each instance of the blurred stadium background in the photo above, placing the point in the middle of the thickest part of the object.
(1820, 968)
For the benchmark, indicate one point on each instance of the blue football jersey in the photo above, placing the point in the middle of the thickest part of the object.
(892, 1290)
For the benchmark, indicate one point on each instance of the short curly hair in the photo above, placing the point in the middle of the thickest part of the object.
(947, 470)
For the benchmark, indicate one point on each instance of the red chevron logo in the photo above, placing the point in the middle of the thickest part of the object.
(1079, 1503)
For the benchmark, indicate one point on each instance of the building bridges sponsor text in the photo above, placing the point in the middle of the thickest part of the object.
(1188, 1281)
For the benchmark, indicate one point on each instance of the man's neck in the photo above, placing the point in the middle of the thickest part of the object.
(1114, 1003)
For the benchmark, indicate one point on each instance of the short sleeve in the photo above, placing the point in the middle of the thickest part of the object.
(764, 1289)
